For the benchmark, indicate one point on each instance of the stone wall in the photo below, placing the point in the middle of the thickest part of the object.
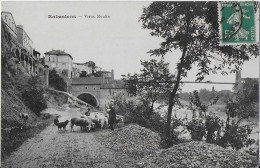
(94, 90)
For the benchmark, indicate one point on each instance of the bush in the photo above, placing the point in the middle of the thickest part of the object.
(32, 93)
(236, 137)
(34, 100)
(213, 124)
(56, 81)
(197, 129)
(166, 143)
(140, 113)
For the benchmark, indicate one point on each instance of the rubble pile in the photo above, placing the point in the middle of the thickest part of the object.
(134, 140)
(198, 154)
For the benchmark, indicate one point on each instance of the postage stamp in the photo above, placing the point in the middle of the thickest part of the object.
(237, 23)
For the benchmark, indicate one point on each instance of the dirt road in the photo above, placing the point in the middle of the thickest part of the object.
(75, 149)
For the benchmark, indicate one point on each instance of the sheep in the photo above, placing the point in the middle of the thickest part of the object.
(99, 119)
(82, 122)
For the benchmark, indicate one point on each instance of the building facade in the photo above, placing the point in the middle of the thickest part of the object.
(17, 44)
(241, 81)
(24, 39)
(60, 61)
(8, 19)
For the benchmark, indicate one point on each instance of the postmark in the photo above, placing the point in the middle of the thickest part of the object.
(237, 23)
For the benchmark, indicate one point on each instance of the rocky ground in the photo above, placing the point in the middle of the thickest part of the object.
(133, 140)
(198, 154)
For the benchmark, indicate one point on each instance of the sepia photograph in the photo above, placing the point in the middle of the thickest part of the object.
(130, 84)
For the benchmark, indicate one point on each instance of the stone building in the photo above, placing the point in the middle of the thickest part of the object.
(240, 81)
(98, 91)
(8, 19)
(24, 39)
(17, 44)
(60, 61)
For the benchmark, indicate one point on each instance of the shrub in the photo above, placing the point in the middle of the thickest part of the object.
(213, 124)
(166, 143)
(56, 81)
(197, 129)
(140, 113)
(237, 137)
(33, 96)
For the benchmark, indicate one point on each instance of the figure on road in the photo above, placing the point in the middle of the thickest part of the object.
(112, 117)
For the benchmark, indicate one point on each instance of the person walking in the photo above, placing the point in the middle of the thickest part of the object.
(112, 117)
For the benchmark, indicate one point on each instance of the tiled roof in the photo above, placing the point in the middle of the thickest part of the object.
(113, 84)
(87, 81)
(57, 52)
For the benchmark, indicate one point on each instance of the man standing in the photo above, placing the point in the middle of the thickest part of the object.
(112, 117)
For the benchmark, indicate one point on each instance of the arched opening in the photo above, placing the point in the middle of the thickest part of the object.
(88, 98)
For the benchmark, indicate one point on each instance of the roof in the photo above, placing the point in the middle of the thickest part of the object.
(87, 81)
(81, 63)
(104, 83)
(57, 52)
(113, 84)
(36, 52)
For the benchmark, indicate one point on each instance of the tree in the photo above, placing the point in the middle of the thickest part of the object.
(192, 27)
(153, 81)
(33, 95)
(197, 105)
(57, 81)
(244, 105)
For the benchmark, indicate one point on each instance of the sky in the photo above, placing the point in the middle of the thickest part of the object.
(117, 42)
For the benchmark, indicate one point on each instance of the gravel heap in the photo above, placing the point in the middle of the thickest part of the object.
(198, 154)
(134, 140)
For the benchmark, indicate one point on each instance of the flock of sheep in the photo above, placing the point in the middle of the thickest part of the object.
(93, 121)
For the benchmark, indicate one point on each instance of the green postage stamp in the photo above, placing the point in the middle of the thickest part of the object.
(237, 23)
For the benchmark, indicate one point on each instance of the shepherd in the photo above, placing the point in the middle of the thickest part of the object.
(112, 117)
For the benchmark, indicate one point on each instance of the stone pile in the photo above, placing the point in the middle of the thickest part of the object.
(134, 140)
(198, 154)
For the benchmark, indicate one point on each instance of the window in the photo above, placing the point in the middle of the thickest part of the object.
(86, 87)
(49, 58)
